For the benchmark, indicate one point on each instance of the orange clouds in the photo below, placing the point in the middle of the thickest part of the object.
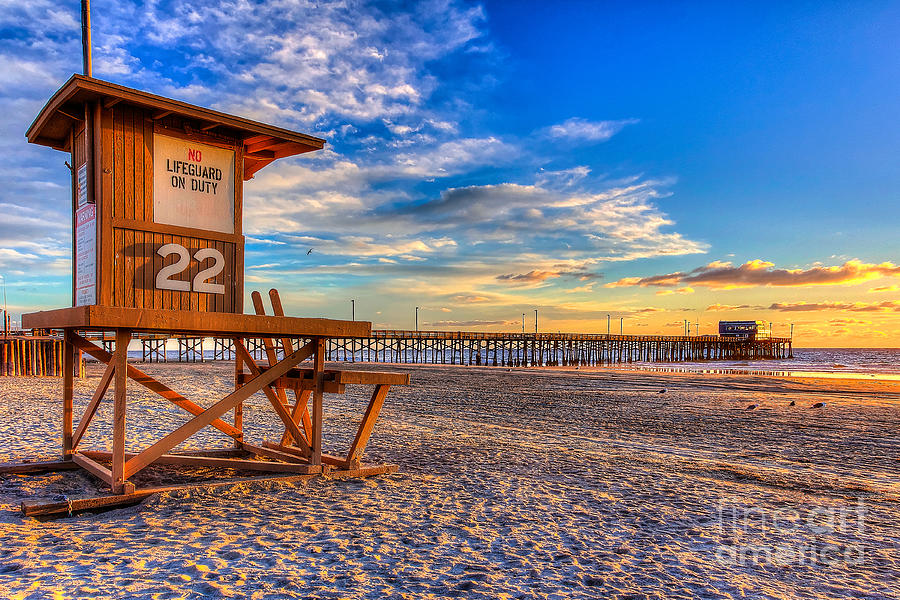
(530, 277)
(759, 273)
(886, 306)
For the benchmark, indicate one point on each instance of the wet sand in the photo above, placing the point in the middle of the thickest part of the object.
(543, 483)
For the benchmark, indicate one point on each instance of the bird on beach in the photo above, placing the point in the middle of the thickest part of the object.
(662, 391)
(792, 403)
(819, 405)
(752, 407)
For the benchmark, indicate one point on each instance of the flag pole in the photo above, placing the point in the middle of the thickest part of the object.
(86, 37)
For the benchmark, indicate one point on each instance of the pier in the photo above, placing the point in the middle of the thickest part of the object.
(40, 354)
(549, 349)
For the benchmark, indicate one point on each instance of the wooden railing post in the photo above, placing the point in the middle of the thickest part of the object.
(123, 336)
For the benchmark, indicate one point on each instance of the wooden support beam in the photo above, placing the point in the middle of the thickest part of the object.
(47, 466)
(152, 384)
(297, 384)
(369, 377)
(300, 398)
(268, 344)
(354, 456)
(327, 459)
(68, 393)
(276, 454)
(36, 509)
(100, 472)
(300, 413)
(91, 408)
(266, 145)
(120, 360)
(255, 139)
(315, 441)
(280, 409)
(251, 170)
(196, 460)
(205, 418)
(366, 471)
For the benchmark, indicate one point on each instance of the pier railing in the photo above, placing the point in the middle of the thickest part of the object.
(40, 353)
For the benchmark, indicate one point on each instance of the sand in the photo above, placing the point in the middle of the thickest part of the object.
(512, 484)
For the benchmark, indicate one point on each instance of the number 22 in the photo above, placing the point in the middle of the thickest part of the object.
(200, 283)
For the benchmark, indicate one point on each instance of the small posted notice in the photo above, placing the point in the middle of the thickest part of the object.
(86, 255)
(82, 185)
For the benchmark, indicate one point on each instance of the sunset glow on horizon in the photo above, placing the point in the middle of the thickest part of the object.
(641, 168)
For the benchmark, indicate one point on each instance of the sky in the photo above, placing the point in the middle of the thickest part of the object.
(632, 165)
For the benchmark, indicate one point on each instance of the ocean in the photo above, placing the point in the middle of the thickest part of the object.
(832, 362)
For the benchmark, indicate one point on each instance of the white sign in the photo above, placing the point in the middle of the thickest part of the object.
(193, 184)
(86, 255)
(81, 183)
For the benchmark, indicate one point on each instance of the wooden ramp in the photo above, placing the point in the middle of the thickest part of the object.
(296, 453)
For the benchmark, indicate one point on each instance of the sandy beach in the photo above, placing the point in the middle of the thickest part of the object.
(515, 483)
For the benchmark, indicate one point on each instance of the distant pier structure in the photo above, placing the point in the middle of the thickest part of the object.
(39, 355)
(549, 349)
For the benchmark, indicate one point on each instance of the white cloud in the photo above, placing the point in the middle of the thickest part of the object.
(582, 130)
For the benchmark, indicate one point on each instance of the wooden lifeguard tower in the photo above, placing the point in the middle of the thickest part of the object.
(157, 189)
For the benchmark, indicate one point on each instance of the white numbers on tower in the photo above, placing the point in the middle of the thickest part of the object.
(201, 280)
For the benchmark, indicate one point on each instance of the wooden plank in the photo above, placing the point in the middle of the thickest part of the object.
(68, 394)
(239, 409)
(215, 411)
(36, 509)
(280, 409)
(367, 471)
(128, 281)
(367, 424)
(300, 413)
(327, 459)
(93, 467)
(137, 153)
(298, 385)
(152, 384)
(272, 453)
(102, 386)
(369, 377)
(46, 466)
(147, 159)
(272, 358)
(99, 318)
(238, 290)
(197, 460)
(127, 206)
(229, 274)
(315, 441)
(116, 202)
(120, 360)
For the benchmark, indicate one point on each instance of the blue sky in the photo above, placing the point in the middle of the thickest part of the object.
(648, 160)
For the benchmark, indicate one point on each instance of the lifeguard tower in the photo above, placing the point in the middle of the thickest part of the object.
(157, 188)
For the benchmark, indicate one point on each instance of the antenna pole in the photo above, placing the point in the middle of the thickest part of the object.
(86, 37)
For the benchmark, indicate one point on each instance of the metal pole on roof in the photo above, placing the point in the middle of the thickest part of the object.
(86, 37)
